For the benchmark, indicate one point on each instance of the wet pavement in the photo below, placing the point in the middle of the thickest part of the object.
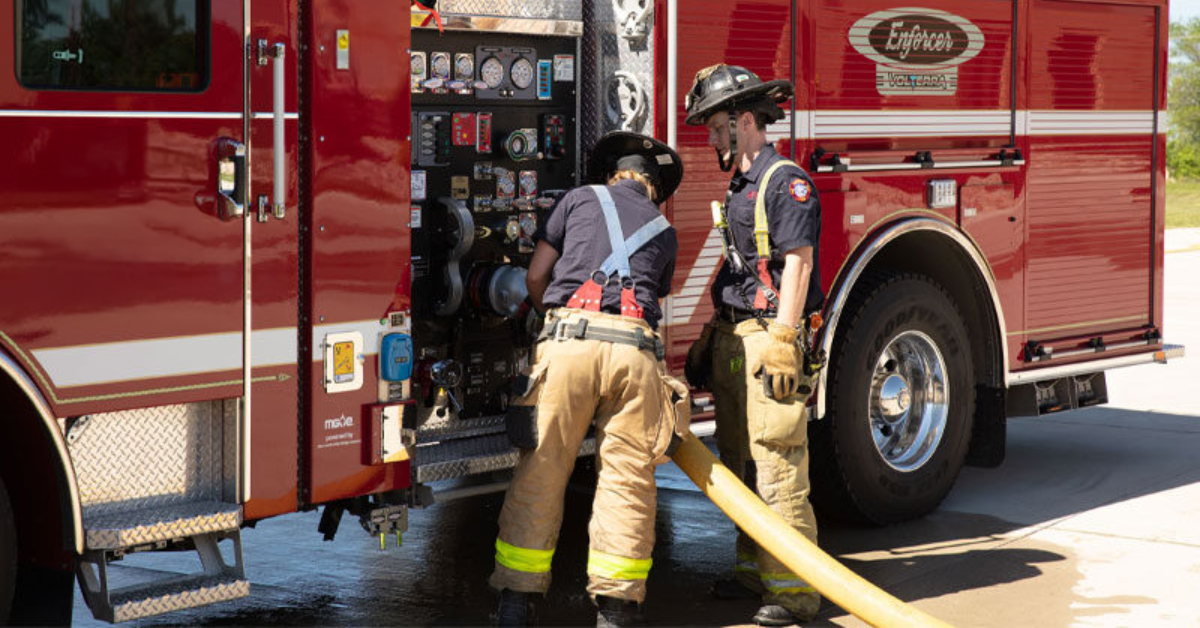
(1093, 520)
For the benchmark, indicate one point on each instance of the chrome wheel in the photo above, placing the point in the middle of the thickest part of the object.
(908, 401)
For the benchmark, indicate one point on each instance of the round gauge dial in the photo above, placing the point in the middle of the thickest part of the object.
(440, 65)
(492, 72)
(464, 67)
(521, 73)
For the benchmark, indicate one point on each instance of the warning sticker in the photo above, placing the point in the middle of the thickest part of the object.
(343, 362)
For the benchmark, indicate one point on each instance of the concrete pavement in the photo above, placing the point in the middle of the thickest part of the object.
(1092, 520)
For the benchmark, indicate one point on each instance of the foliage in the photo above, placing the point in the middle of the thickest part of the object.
(1183, 95)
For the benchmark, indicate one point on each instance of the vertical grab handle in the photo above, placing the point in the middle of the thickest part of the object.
(279, 202)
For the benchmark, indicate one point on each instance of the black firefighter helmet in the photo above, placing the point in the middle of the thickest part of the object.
(727, 88)
(623, 150)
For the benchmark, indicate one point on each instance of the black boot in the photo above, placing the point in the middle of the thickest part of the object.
(774, 615)
(616, 613)
(515, 609)
(732, 589)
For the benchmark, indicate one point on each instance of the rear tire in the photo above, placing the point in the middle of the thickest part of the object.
(901, 397)
(8, 555)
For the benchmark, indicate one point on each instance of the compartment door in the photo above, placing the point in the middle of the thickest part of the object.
(1091, 152)
(119, 221)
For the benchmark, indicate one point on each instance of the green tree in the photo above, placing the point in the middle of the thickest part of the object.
(1183, 95)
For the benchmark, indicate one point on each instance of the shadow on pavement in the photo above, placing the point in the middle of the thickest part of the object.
(1056, 468)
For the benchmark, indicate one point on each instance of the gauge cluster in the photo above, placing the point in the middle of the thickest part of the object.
(494, 145)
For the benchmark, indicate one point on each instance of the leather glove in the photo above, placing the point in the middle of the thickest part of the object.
(699, 359)
(780, 368)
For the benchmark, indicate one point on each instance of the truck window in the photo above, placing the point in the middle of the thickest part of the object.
(126, 45)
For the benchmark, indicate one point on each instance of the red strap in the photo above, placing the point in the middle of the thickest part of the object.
(629, 304)
(764, 275)
(432, 14)
(587, 297)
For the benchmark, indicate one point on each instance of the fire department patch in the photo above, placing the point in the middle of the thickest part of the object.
(800, 190)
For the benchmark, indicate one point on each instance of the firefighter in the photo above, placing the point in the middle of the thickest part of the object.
(602, 262)
(750, 355)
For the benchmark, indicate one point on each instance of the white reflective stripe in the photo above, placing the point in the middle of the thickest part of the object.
(154, 115)
(106, 363)
(825, 124)
(910, 123)
(1091, 122)
(683, 303)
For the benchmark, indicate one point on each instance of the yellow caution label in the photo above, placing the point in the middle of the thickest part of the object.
(343, 40)
(343, 361)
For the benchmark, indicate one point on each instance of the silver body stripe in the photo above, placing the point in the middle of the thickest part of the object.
(88, 365)
(149, 115)
(826, 124)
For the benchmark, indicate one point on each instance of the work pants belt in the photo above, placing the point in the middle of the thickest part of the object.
(581, 330)
(732, 314)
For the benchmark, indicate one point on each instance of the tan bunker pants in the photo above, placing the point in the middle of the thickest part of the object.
(574, 382)
(765, 442)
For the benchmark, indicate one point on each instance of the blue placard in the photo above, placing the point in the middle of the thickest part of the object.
(396, 357)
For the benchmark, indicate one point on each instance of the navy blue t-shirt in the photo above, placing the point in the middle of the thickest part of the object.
(793, 221)
(576, 229)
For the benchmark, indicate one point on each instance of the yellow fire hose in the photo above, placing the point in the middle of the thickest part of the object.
(844, 587)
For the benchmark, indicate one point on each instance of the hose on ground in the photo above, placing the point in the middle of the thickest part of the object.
(844, 587)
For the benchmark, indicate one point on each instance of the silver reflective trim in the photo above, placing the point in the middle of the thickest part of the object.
(152, 115)
(26, 385)
(522, 26)
(1091, 122)
(910, 123)
(163, 115)
(845, 285)
(105, 363)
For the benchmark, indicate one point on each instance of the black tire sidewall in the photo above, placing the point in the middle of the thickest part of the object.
(8, 554)
(879, 492)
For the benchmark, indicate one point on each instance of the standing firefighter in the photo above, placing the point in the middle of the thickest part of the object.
(752, 354)
(601, 265)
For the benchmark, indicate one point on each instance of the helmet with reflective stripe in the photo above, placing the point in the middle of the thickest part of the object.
(730, 88)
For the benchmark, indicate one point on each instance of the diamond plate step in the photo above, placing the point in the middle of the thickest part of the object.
(166, 596)
(470, 456)
(161, 523)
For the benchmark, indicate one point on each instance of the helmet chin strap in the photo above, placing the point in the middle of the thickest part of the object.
(727, 164)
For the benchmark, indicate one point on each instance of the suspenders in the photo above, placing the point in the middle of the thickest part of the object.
(589, 295)
(766, 294)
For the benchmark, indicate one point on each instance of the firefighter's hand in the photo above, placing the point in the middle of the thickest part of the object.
(780, 370)
(699, 359)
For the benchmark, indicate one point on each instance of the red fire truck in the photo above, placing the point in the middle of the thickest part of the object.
(264, 257)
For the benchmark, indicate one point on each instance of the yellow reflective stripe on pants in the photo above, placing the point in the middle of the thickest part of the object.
(746, 562)
(785, 583)
(617, 567)
(523, 559)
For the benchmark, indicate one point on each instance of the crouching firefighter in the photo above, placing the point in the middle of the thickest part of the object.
(602, 262)
(755, 355)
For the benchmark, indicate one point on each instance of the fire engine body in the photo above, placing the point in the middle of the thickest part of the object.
(287, 271)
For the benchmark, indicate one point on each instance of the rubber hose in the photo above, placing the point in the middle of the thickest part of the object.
(844, 587)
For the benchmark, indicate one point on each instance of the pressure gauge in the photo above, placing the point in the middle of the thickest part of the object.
(464, 67)
(492, 72)
(417, 70)
(439, 65)
(521, 73)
